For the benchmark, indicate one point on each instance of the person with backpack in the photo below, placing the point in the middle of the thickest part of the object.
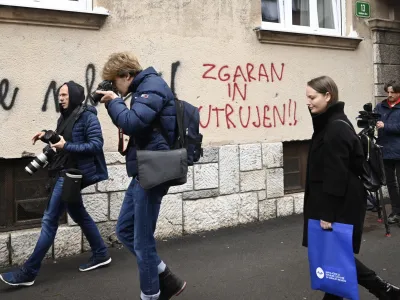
(81, 148)
(150, 122)
(334, 192)
(389, 138)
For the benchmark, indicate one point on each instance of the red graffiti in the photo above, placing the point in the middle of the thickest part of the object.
(245, 74)
(255, 116)
(237, 90)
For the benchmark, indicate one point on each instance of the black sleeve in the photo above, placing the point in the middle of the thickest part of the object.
(337, 148)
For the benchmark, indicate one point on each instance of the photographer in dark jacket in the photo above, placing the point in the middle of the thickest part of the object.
(334, 191)
(152, 102)
(81, 147)
(389, 138)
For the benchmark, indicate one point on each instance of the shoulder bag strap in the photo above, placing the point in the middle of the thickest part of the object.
(74, 116)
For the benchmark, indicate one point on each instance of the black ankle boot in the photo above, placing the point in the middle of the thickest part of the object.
(170, 285)
(383, 290)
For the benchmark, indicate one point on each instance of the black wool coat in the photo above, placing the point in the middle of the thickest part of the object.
(334, 191)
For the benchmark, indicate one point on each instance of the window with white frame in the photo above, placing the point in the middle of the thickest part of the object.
(68, 5)
(307, 16)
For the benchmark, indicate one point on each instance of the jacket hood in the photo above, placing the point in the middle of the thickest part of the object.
(91, 109)
(140, 77)
(76, 97)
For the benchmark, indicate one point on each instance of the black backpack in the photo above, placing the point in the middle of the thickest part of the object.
(188, 135)
(373, 176)
(374, 172)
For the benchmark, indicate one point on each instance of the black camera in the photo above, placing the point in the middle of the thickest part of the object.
(42, 160)
(367, 119)
(105, 85)
(50, 137)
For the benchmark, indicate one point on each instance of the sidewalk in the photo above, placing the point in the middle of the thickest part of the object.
(256, 262)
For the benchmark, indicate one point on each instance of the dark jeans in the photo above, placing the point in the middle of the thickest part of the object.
(366, 278)
(392, 171)
(135, 229)
(55, 209)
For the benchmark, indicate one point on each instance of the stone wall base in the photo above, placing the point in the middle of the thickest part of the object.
(231, 185)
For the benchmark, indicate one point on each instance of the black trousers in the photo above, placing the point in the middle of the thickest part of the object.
(365, 277)
(392, 172)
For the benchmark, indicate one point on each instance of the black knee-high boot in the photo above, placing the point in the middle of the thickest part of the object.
(383, 290)
(378, 287)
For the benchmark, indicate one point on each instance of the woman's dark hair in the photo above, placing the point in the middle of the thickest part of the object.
(395, 86)
(323, 85)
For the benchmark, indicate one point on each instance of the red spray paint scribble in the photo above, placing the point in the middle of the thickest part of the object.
(247, 74)
(255, 116)
(237, 90)
(225, 73)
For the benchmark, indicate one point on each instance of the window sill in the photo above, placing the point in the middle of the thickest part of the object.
(294, 191)
(383, 24)
(52, 17)
(307, 39)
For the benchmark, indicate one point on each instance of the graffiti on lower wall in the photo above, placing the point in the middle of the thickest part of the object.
(238, 81)
(226, 73)
(255, 116)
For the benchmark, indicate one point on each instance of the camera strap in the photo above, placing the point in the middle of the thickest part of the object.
(74, 116)
(121, 149)
(121, 142)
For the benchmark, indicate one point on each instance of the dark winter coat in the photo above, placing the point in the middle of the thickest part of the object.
(334, 191)
(84, 139)
(389, 136)
(152, 106)
(86, 147)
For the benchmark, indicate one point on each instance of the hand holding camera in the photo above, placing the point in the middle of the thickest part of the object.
(38, 136)
(60, 144)
(107, 96)
(42, 159)
(104, 93)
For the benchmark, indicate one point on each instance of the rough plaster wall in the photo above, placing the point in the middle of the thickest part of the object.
(191, 32)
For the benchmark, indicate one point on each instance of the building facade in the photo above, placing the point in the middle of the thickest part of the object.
(245, 64)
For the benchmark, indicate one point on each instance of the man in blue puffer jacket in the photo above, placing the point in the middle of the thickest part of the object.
(389, 137)
(81, 147)
(152, 103)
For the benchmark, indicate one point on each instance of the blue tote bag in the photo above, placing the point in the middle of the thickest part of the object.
(331, 260)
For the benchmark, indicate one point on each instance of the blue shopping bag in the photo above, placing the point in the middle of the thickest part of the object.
(331, 260)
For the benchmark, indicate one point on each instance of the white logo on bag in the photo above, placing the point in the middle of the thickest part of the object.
(320, 273)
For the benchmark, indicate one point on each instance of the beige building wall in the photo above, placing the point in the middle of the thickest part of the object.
(213, 40)
(202, 45)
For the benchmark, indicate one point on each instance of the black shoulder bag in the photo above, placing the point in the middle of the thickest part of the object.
(169, 167)
(373, 176)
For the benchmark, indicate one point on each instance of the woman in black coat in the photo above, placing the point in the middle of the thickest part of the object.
(334, 191)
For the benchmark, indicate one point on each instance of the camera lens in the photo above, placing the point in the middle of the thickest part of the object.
(38, 162)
